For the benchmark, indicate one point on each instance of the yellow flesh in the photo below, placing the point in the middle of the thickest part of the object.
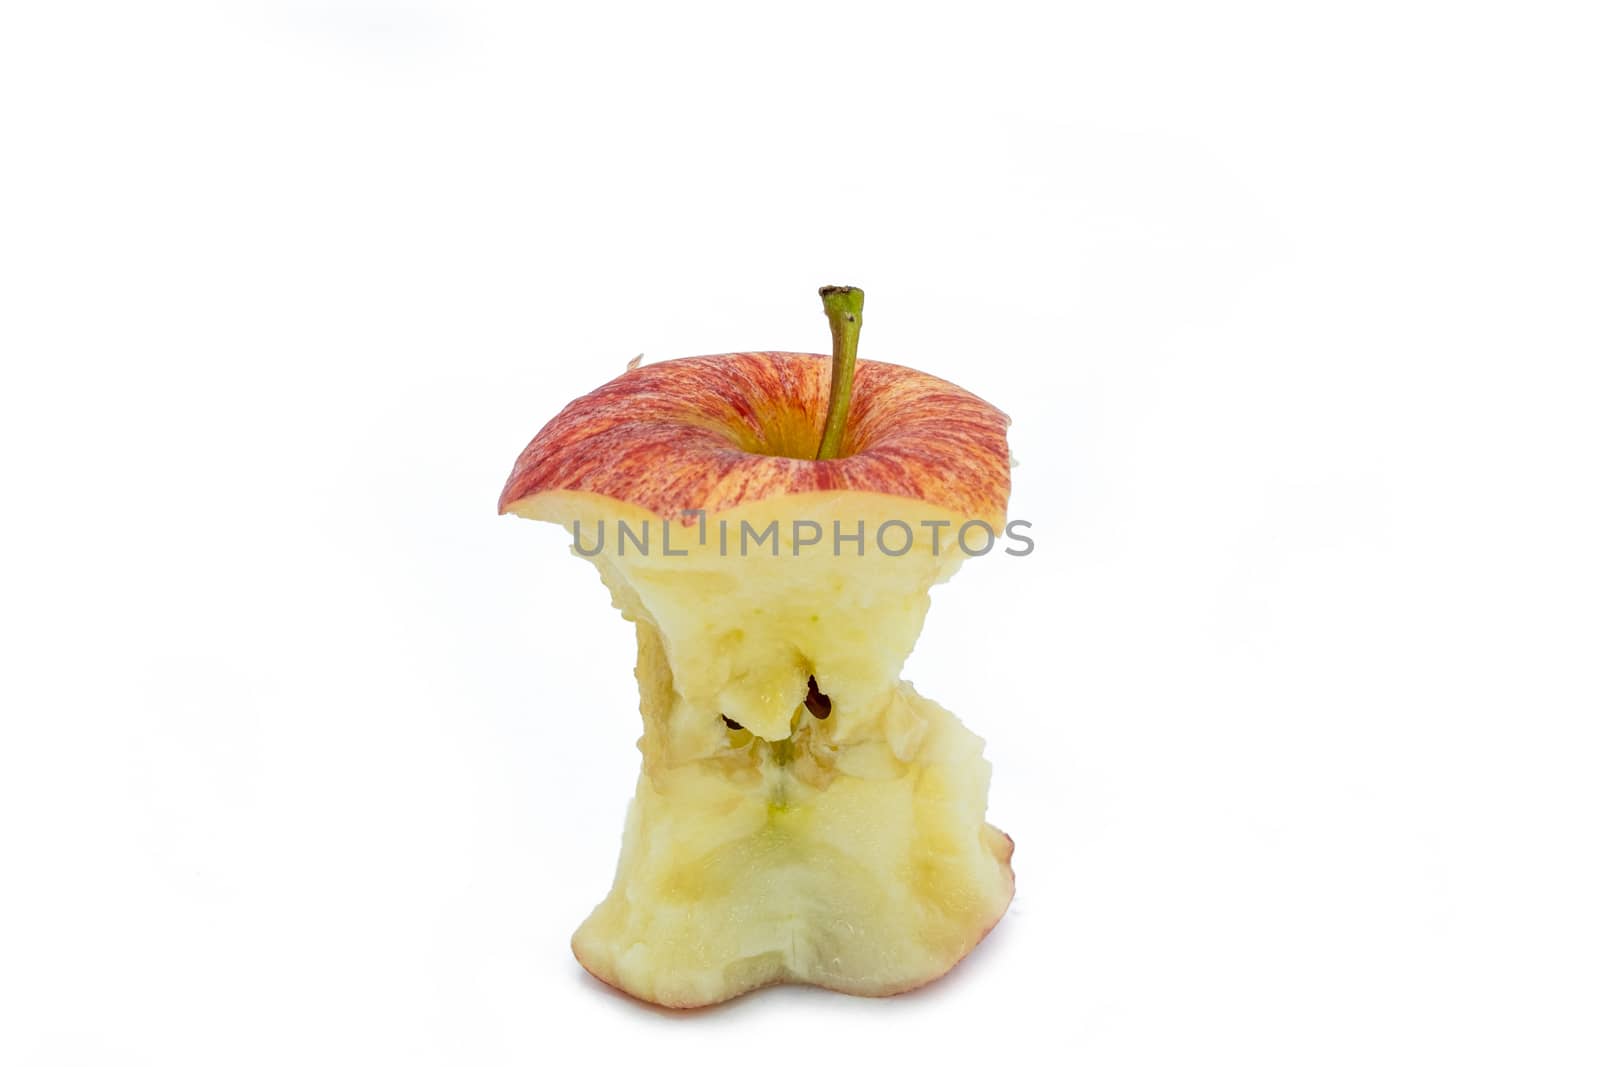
(849, 852)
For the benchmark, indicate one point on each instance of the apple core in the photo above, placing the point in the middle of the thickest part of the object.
(802, 814)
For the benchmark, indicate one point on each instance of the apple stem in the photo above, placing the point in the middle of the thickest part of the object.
(842, 303)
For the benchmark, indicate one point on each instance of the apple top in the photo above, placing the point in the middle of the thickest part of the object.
(714, 432)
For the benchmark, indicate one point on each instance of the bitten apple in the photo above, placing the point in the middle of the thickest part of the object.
(802, 814)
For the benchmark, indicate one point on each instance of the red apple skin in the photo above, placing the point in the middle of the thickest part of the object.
(714, 432)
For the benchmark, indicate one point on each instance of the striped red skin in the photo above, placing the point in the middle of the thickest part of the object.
(687, 434)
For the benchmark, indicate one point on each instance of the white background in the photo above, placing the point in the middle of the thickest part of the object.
(307, 757)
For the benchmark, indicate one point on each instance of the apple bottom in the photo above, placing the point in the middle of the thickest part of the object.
(846, 868)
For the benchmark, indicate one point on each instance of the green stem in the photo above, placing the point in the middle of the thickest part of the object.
(843, 306)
